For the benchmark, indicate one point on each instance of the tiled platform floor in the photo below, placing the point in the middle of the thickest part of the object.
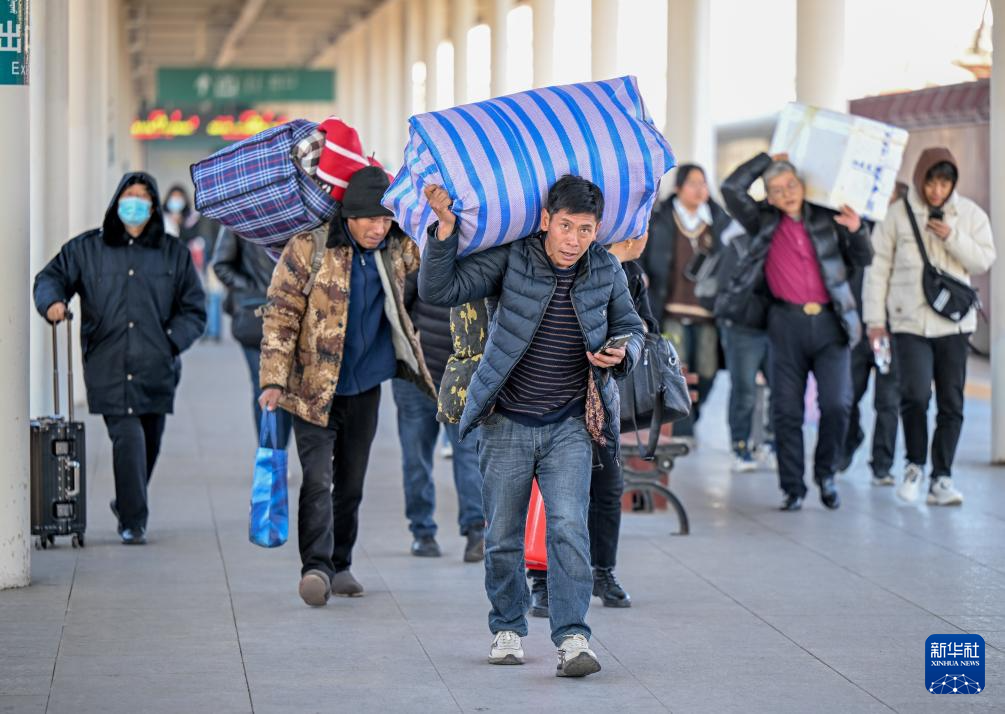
(755, 611)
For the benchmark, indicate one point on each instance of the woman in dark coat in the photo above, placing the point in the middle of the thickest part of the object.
(142, 306)
(687, 233)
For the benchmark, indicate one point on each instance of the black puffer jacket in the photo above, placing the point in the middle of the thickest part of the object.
(243, 267)
(141, 306)
(246, 270)
(658, 259)
(638, 289)
(469, 330)
(522, 277)
(746, 299)
(433, 325)
(731, 258)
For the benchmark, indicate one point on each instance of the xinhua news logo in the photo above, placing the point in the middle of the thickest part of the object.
(954, 664)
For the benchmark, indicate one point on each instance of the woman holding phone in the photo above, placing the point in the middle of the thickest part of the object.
(930, 346)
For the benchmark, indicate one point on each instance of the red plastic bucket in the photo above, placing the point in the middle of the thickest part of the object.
(535, 543)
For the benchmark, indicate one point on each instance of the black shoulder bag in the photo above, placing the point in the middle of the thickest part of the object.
(654, 392)
(949, 297)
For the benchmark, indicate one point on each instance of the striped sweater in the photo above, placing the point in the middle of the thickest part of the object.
(549, 383)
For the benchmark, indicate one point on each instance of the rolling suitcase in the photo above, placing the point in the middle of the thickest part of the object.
(58, 488)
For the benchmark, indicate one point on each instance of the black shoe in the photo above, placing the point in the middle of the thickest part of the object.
(474, 552)
(844, 463)
(608, 589)
(133, 536)
(792, 502)
(539, 596)
(829, 493)
(426, 547)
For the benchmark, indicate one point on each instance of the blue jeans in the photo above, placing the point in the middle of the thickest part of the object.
(284, 421)
(747, 352)
(562, 457)
(417, 432)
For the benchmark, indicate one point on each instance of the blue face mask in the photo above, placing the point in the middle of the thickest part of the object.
(134, 211)
(176, 204)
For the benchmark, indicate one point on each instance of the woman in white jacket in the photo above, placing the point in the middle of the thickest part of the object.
(956, 234)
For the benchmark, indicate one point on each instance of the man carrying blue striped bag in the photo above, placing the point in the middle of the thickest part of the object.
(542, 391)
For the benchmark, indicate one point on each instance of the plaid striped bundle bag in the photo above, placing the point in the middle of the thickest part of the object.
(263, 188)
(499, 157)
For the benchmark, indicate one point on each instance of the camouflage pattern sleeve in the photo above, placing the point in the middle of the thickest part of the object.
(410, 255)
(285, 310)
(468, 329)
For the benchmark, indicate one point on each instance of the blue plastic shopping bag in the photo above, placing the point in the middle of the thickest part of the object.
(269, 522)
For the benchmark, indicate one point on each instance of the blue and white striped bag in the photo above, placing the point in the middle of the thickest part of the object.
(498, 158)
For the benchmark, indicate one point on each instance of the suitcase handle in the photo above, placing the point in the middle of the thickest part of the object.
(74, 466)
(69, 365)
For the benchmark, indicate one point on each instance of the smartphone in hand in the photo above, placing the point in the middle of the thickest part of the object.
(614, 343)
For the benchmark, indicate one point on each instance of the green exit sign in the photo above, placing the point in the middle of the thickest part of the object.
(13, 42)
(188, 85)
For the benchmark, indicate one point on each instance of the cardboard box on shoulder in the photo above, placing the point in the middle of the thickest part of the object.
(842, 159)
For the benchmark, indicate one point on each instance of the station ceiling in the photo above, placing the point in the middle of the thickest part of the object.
(234, 33)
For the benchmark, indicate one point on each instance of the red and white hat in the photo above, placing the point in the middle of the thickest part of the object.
(342, 155)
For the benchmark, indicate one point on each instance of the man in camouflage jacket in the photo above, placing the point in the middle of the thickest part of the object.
(335, 327)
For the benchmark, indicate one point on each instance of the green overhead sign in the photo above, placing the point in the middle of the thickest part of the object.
(13, 42)
(190, 85)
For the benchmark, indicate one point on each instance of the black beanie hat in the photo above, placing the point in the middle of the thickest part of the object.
(362, 195)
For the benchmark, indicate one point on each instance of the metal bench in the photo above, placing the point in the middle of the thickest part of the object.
(646, 478)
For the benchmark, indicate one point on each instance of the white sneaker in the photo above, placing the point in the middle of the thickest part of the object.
(447, 450)
(942, 493)
(908, 489)
(743, 462)
(766, 457)
(506, 648)
(575, 658)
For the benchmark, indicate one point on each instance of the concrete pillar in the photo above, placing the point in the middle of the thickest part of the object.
(436, 32)
(124, 105)
(604, 39)
(359, 80)
(87, 161)
(376, 61)
(49, 99)
(462, 19)
(343, 78)
(689, 122)
(90, 179)
(544, 42)
(15, 530)
(498, 17)
(78, 124)
(998, 225)
(820, 54)
(415, 51)
(395, 99)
